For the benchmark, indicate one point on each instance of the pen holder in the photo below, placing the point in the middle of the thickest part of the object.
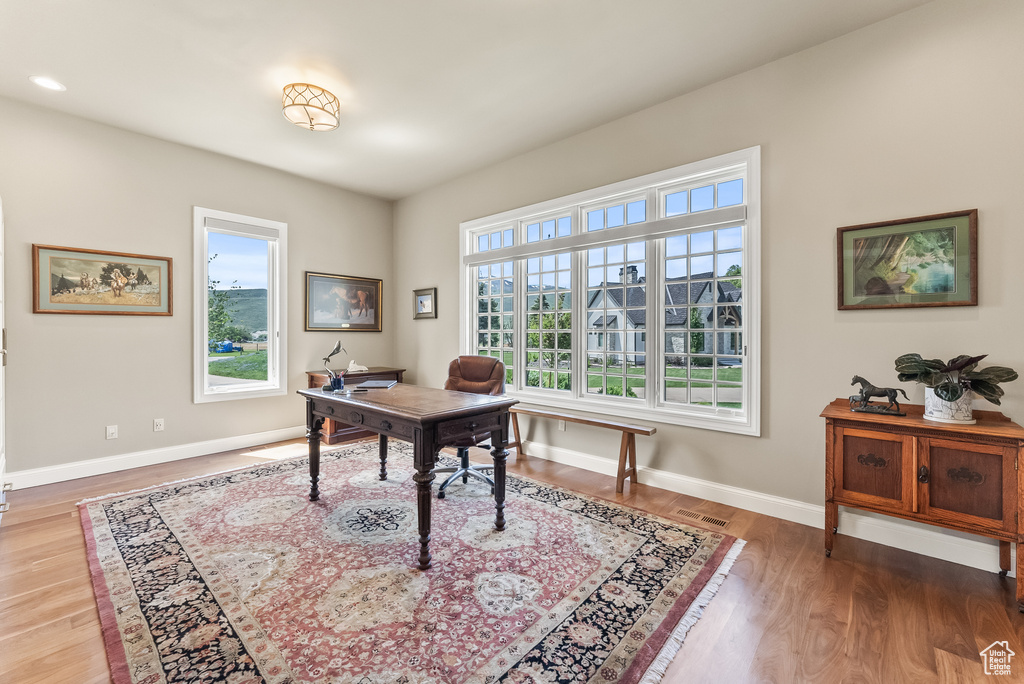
(337, 383)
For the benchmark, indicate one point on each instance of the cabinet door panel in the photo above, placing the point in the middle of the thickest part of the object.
(970, 482)
(875, 468)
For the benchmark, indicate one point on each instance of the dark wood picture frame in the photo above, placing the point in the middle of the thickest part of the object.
(339, 302)
(886, 265)
(424, 303)
(89, 281)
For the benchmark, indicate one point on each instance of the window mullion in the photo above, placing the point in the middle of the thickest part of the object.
(519, 321)
(655, 332)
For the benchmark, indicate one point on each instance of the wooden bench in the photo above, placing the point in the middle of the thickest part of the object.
(627, 450)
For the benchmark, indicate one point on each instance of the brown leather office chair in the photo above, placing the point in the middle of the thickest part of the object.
(478, 375)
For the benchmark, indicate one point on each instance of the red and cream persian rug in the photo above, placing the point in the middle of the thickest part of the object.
(239, 578)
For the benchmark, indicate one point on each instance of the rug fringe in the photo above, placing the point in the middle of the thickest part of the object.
(659, 667)
(104, 497)
(263, 461)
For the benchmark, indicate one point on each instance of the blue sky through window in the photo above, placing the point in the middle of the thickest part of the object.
(241, 259)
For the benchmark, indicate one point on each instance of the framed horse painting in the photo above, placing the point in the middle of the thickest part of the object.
(337, 302)
(69, 280)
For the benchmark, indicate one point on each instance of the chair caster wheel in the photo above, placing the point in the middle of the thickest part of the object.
(440, 495)
(828, 553)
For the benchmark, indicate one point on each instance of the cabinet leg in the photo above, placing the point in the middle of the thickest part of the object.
(1020, 570)
(1004, 558)
(831, 525)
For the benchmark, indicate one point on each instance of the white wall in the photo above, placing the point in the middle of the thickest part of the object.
(916, 115)
(70, 182)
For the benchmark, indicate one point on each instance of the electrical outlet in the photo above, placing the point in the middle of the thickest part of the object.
(561, 426)
(158, 425)
(111, 432)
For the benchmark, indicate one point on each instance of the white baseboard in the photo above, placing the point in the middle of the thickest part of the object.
(956, 547)
(109, 464)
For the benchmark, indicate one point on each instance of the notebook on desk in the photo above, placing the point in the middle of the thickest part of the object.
(377, 384)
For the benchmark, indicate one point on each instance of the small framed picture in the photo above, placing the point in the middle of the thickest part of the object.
(915, 262)
(69, 280)
(337, 302)
(424, 303)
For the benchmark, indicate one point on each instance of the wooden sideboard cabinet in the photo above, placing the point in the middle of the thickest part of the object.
(964, 477)
(336, 432)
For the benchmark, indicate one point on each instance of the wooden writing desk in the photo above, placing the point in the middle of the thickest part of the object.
(430, 419)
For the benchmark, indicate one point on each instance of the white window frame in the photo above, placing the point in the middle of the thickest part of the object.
(276, 234)
(654, 186)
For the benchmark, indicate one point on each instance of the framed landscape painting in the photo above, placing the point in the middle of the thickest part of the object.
(337, 302)
(69, 280)
(915, 262)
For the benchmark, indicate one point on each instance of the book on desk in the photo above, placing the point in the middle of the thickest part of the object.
(376, 384)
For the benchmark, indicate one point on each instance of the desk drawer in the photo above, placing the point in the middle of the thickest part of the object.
(453, 430)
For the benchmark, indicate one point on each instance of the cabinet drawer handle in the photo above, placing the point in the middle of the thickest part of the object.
(872, 460)
(472, 426)
(385, 424)
(965, 476)
(922, 474)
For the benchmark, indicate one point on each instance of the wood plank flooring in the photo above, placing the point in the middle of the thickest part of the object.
(786, 613)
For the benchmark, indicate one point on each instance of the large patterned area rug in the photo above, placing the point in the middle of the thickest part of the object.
(239, 578)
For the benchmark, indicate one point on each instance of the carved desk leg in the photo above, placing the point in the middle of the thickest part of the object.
(499, 438)
(313, 425)
(382, 442)
(424, 452)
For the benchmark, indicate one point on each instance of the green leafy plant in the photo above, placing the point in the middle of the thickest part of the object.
(950, 379)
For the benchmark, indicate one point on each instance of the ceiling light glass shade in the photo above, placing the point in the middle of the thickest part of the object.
(310, 106)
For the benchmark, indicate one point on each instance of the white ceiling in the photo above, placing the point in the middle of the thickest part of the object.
(430, 89)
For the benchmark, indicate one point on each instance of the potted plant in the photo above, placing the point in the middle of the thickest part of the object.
(949, 384)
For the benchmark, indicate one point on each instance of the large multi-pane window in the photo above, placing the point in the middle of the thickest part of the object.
(637, 299)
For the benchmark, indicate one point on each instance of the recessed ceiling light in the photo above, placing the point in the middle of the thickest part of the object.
(47, 82)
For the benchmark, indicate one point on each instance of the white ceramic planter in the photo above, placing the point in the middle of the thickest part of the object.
(959, 411)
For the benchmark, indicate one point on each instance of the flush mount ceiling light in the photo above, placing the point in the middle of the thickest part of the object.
(47, 82)
(310, 106)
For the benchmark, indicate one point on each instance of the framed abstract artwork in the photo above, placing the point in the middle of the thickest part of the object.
(915, 262)
(71, 280)
(337, 302)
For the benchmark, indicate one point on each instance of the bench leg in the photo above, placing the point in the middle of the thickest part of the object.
(627, 454)
(632, 456)
(518, 443)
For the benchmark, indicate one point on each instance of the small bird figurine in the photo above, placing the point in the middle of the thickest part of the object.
(337, 348)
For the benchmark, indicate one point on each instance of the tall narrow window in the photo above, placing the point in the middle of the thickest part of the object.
(239, 306)
(495, 321)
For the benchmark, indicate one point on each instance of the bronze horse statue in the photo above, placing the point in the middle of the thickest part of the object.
(867, 390)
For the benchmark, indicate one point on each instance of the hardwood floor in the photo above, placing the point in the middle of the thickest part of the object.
(786, 613)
